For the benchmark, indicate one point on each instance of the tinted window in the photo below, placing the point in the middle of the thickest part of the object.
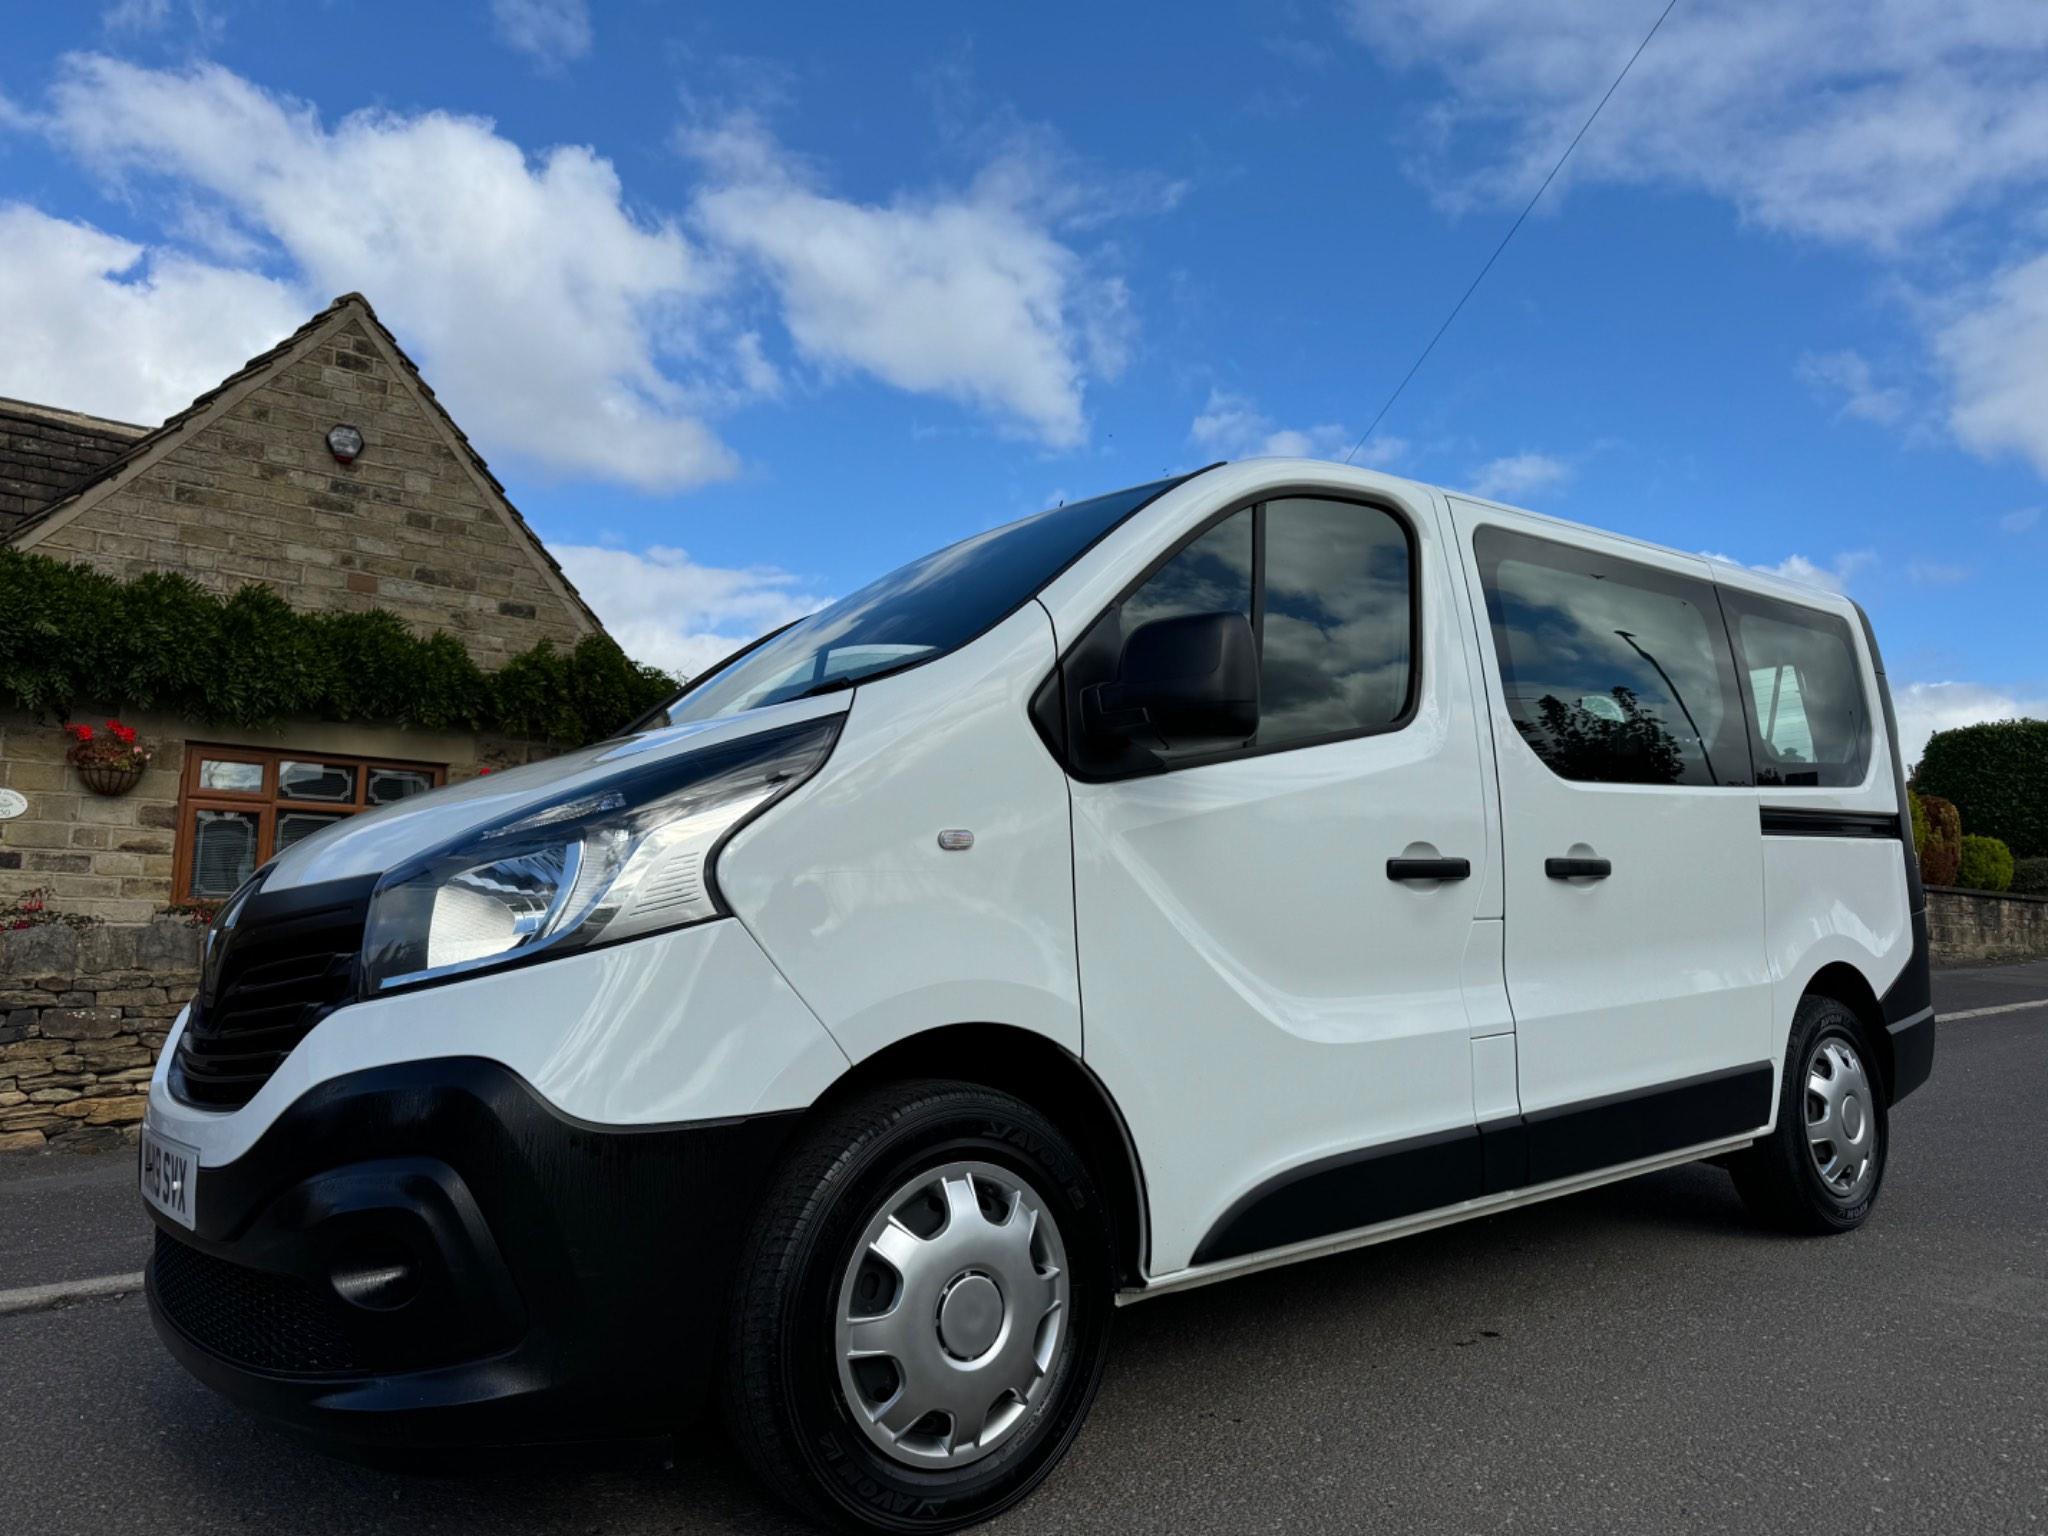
(1332, 611)
(1211, 575)
(1615, 673)
(1809, 715)
(1336, 631)
(916, 613)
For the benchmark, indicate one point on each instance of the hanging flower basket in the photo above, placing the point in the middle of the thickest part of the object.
(110, 764)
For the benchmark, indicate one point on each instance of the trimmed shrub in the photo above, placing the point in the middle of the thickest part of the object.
(1997, 775)
(69, 634)
(1986, 864)
(1919, 813)
(1942, 855)
(2030, 877)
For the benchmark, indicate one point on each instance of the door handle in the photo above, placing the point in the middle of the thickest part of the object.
(1429, 869)
(1578, 869)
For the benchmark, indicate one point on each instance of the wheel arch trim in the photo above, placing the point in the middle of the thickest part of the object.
(1053, 1080)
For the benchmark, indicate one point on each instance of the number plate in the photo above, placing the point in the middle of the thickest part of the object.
(170, 1177)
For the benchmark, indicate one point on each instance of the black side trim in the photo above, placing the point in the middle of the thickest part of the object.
(1908, 1009)
(1579, 1138)
(1350, 1190)
(1912, 1052)
(1427, 1173)
(1814, 821)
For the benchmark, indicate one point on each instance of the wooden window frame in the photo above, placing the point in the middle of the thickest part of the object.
(266, 803)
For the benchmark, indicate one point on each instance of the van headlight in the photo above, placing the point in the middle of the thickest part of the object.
(626, 856)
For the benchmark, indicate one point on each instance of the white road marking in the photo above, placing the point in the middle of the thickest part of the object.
(1985, 1013)
(40, 1298)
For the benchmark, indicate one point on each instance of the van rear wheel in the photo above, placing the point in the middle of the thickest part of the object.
(921, 1312)
(1820, 1170)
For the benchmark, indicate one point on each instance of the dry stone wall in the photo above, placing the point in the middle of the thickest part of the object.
(83, 1013)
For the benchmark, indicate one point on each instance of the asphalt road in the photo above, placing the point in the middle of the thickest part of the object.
(1633, 1359)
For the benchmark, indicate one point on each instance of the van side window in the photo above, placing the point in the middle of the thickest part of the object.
(1211, 575)
(1328, 588)
(1336, 639)
(1615, 672)
(1809, 715)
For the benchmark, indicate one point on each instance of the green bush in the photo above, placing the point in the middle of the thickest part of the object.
(1919, 815)
(71, 635)
(2030, 877)
(1997, 775)
(1986, 864)
(1941, 852)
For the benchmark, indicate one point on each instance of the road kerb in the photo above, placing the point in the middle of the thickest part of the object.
(40, 1298)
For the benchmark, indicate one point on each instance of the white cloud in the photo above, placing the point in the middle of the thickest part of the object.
(1995, 351)
(565, 325)
(1835, 576)
(96, 323)
(1881, 124)
(550, 317)
(968, 294)
(137, 18)
(1519, 475)
(552, 31)
(1924, 708)
(135, 15)
(1930, 573)
(1233, 427)
(664, 608)
(2021, 521)
(1847, 379)
(1860, 120)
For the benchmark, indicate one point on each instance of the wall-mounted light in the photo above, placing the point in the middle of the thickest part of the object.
(344, 442)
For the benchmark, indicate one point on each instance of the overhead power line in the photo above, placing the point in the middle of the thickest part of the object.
(1473, 286)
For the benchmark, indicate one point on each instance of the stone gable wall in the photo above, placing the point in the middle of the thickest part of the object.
(83, 1013)
(256, 496)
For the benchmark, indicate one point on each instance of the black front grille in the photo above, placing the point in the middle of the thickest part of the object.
(250, 1317)
(276, 967)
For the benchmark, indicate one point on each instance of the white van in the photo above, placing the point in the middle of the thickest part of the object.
(1211, 875)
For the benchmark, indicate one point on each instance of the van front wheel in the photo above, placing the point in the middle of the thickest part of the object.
(1821, 1169)
(919, 1321)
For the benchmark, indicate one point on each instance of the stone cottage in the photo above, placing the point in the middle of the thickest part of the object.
(327, 470)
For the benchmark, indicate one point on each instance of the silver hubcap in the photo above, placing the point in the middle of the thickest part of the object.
(952, 1315)
(1841, 1130)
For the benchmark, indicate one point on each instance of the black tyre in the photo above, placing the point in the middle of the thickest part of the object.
(1821, 1169)
(921, 1310)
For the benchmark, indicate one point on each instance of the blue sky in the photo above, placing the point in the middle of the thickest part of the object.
(748, 303)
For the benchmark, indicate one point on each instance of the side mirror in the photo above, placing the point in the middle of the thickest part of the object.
(1185, 680)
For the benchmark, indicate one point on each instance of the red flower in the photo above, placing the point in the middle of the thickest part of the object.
(125, 734)
(82, 732)
(481, 772)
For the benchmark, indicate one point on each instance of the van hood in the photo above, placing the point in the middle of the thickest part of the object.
(379, 840)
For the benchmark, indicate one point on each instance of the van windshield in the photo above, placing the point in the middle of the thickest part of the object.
(917, 613)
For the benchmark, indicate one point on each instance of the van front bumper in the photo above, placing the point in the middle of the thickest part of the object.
(432, 1253)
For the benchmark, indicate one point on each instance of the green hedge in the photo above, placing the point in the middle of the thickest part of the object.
(1986, 864)
(70, 635)
(1997, 775)
(2030, 877)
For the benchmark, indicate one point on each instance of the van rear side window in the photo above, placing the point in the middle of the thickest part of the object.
(1615, 672)
(1809, 715)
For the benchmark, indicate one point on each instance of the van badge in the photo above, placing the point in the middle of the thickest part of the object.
(956, 839)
